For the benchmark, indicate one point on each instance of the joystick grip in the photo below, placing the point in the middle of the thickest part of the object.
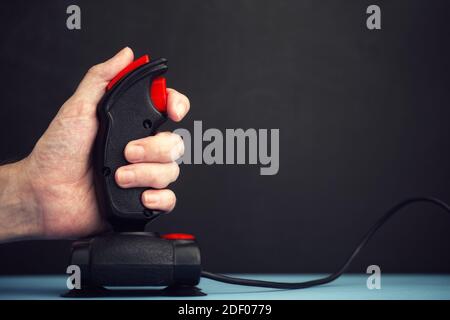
(132, 108)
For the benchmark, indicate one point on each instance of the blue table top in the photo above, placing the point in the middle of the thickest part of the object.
(351, 286)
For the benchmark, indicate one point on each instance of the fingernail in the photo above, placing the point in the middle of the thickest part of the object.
(179, 110)
(125, 177)
(134, 153)
(178, 150)
(151, 199)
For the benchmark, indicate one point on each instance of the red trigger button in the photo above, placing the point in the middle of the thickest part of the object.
(158, 94)
(178, 236)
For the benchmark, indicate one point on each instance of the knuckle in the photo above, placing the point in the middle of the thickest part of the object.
(95, 70)
(81, 107)
(77, 107)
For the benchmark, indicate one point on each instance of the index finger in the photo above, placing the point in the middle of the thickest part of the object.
(178, 105)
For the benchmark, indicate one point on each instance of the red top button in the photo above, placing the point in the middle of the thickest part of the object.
(131, 67)
(178, 236)
(158, 90)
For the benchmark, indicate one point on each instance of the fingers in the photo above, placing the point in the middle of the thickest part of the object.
(162, 148)
(92, 87)
(153, 175)
(161, 200)
(178, 105)
(152, 160)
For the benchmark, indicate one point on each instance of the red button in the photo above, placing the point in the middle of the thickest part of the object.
(158, 93)
(178, 236)
(131, 67)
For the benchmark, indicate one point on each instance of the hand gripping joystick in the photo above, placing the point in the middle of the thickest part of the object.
(133, 107)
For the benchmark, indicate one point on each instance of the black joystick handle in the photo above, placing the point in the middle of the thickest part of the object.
(133, 107)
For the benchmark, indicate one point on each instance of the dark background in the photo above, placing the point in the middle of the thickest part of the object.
(363, 118)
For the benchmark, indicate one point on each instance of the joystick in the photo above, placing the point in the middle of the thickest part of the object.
(133, 107)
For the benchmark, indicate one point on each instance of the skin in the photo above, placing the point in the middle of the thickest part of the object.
(50, 194)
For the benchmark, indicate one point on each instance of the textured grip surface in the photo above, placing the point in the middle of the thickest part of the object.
(126, 113)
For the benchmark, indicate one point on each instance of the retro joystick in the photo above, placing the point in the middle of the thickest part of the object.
(133, 107)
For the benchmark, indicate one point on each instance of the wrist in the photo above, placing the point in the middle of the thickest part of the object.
(19, 213)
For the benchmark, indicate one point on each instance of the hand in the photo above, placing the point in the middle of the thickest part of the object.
(55, 189)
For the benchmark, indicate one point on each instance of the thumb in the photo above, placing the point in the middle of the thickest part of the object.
(92, 87)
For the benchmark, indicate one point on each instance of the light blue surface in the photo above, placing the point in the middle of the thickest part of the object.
(352, 286)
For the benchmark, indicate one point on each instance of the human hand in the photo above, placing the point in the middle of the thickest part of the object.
(55, 182)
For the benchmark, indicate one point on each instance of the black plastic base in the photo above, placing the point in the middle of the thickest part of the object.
(136, 260)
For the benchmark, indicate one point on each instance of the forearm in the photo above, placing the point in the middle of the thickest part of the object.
(19, 218)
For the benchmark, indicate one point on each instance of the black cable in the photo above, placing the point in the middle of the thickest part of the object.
(334, 276)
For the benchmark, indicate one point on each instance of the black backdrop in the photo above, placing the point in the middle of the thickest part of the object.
(363, 118)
